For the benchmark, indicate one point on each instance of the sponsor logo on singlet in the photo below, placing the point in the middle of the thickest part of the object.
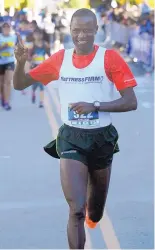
(82, 80)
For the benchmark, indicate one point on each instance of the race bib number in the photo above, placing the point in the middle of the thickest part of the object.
(91, 119)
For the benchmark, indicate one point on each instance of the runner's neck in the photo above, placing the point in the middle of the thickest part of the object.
(84, 53)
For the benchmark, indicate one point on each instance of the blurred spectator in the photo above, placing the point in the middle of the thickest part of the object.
(7, 17)
(145, 9)
(24, 29)
(146, 26)
(42, 14)
(34, 26)
(103, 22)
(61, 23)
(1, 22)
(20, 16)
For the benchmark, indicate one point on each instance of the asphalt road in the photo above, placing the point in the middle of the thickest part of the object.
(33, 212)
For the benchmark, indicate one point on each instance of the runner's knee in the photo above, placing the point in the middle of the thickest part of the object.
(77, 211)
(77, 207)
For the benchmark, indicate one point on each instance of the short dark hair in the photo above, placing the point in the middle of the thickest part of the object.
(84, 12)
(34, 22)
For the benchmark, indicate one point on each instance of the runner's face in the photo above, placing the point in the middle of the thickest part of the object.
(38, 36)
(83, 31)
(6, 30)
(33, 26)
(21, 26)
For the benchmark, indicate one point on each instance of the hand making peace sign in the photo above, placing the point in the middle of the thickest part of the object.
(21, 52)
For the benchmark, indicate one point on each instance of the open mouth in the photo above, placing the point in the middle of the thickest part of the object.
(82, 42)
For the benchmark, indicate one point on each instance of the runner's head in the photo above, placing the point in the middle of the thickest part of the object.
(38, 35)
(22, 15)
(6, 29)
(83, 30)
(24, 25)
(33, 25)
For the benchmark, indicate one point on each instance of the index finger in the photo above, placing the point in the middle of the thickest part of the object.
(19, 39)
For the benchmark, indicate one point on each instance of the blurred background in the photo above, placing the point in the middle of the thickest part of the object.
(33, 211)
(125, 25)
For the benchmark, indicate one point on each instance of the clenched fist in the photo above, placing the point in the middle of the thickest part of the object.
(21, 52)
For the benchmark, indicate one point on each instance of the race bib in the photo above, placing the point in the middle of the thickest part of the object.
(91, 119)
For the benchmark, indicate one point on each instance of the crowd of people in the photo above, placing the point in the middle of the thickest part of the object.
(41, 40)
(38, 44)
(136, 16)
(135, 36)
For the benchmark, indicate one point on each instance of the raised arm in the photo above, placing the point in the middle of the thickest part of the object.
(45, 72)
(21, 80)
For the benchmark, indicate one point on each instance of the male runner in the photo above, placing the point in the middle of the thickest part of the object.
(7, 60)
(87, 140)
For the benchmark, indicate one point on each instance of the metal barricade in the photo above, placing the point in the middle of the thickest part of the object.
(119, 32)
(142, 47)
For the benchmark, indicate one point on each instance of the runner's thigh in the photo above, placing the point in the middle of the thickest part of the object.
(74, 180)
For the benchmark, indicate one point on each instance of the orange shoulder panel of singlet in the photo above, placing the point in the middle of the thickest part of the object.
(48, 70)
(118, 71)
(116, 68)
